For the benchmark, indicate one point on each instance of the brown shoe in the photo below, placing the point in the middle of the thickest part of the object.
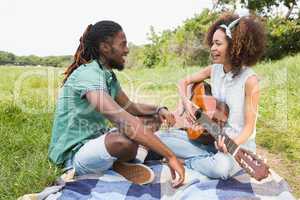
(134, 172)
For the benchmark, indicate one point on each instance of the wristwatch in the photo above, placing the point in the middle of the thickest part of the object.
(159, 108)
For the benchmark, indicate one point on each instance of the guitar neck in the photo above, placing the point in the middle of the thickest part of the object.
(215, 130)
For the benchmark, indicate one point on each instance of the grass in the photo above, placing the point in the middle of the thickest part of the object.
(27, 102)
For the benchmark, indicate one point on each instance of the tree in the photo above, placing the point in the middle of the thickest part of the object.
(223, 5)
(152, 51)
(6, 58)
(266, 6)
(262, 7)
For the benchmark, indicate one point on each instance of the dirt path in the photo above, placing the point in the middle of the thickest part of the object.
(284, 168)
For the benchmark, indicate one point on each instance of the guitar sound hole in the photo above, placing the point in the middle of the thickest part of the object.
(198, 113)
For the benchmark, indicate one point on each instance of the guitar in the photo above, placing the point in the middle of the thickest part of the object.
(212, 115)
(201, 97)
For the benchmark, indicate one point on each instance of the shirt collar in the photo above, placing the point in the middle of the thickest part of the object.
(102, 66)
(109, 74)
(228, 75)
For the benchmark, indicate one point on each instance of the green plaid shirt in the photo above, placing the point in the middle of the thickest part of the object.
(76, 121)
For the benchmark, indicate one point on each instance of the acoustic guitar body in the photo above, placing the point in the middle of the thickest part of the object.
(201, 96)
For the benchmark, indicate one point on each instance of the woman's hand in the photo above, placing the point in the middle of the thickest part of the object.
(220, 145)
(189, 110)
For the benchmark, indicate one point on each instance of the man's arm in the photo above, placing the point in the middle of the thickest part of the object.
(134, 129)
(151, 115)
(131, 125)
(136, 109)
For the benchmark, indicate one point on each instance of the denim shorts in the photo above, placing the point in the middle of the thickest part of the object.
(91, 158)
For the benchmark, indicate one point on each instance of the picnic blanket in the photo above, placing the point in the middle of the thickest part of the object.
(112, 186)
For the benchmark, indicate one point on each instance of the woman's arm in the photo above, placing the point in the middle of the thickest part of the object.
(183, 85)
(194, 78)
(251, 108)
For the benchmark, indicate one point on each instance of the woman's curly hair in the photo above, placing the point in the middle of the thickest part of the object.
(248, 40)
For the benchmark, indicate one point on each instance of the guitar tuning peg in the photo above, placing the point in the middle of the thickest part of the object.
(250, 157)
(250, 170)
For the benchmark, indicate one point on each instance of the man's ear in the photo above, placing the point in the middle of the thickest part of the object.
(104, 47)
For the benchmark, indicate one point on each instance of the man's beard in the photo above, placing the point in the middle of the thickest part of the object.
(115, 65)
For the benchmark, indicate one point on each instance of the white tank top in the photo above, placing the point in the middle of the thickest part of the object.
(232, 92)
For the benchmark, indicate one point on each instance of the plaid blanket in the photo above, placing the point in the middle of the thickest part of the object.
(113, 186)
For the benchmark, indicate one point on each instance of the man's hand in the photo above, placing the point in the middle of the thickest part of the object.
(166, 117)
(176, 166)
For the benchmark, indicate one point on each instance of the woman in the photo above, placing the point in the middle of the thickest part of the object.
(236, 44)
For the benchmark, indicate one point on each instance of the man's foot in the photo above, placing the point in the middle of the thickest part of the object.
(134, 172)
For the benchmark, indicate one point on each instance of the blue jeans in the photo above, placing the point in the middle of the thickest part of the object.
(202, 158)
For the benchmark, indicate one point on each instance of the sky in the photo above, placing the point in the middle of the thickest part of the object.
(53, 27)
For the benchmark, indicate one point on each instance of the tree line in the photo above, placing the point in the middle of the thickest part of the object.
(7, 58)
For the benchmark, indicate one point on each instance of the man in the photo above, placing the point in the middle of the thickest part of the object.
(91, 94)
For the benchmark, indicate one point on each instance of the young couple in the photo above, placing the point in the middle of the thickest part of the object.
(91, 95)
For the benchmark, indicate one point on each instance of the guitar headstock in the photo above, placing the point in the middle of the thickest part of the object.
(254, 166)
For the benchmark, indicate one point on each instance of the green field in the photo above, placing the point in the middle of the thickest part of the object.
(27, 103)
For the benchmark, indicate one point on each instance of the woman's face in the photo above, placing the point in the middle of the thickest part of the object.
(219, 48)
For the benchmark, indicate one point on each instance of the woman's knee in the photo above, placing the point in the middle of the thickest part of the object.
(223, 166)
(220, 172)
(215, 166)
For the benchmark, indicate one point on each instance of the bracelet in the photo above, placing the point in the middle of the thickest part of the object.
(159, 108)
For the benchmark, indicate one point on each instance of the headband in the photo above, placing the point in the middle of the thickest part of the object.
(230, 27)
